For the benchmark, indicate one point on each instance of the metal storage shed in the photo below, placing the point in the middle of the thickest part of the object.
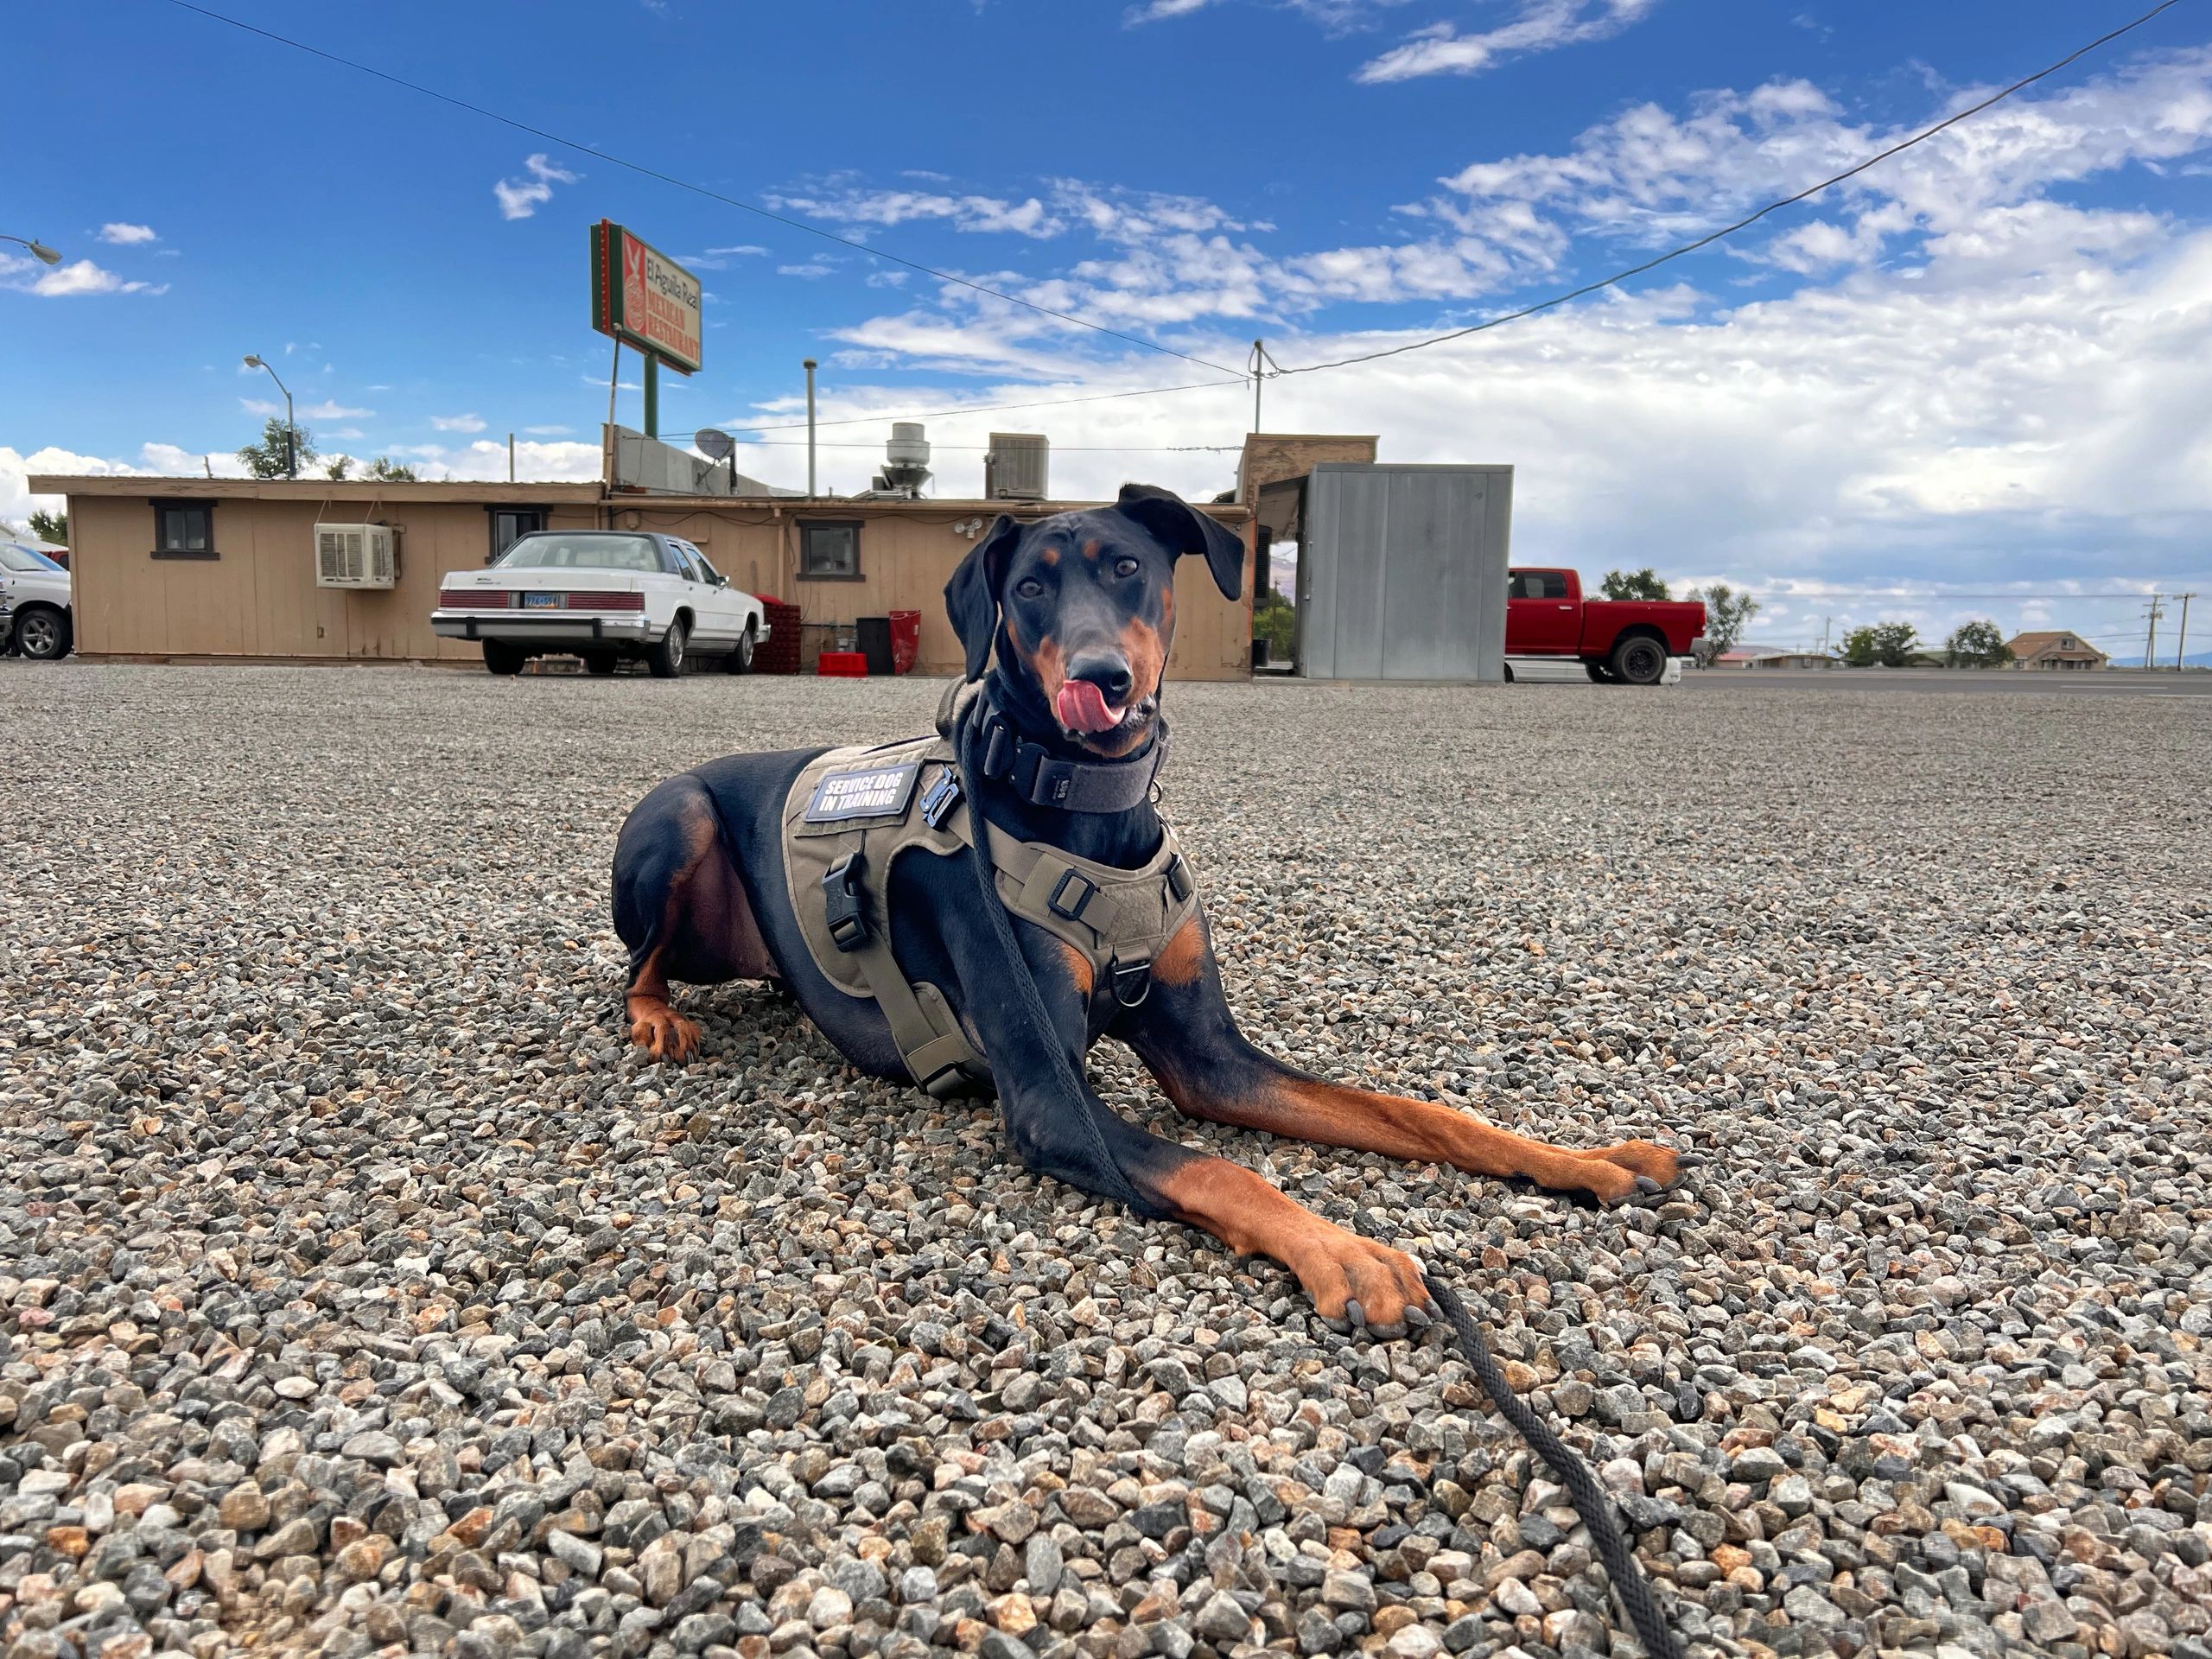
(1401, 571)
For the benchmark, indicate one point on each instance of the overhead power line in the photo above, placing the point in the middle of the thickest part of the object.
(685, 184)
(1749, 219)
(1239, 378)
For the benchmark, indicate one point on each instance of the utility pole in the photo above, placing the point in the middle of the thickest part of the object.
(1261, 362)
(808, 365)
(1824, 634)
(2153, 610)
(2181, 648)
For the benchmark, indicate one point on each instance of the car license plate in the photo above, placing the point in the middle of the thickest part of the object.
(540, 602)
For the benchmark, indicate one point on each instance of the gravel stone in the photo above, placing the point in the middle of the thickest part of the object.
(361, 1289)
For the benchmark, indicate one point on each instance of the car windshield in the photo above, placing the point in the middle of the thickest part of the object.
(602, 552)
(14, 557)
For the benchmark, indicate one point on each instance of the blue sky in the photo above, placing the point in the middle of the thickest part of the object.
(1978, 368)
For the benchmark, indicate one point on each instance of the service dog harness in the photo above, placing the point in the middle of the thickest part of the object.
(852, 811)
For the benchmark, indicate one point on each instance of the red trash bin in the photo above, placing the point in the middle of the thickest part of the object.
(905, 640)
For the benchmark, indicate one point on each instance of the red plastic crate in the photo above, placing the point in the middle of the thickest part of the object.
(843, 664)
(779, 655)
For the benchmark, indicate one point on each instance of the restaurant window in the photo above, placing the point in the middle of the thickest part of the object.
(829, 552)
(509, 525)
(184, 530)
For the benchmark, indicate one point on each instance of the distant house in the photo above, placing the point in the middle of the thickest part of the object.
(1794, 660)
(2055, 649)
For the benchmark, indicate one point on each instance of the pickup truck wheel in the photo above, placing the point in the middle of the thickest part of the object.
(41, 633)
(740, 660)
(1508, 673)
(500, 657)
(601, 662)
(1599, 674)
(666, 658)
(1640, 660)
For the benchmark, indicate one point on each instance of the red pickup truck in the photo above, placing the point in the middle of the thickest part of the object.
(1623, 640)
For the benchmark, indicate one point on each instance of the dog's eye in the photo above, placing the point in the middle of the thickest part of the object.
(1125, 567)
(1029, 586)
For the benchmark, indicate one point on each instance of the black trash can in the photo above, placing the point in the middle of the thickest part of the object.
(875, 644)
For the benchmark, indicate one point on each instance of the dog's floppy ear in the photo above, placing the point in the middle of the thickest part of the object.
(1181, 528)
(971, 598)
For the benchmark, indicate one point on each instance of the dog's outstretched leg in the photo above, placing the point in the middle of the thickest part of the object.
(1186, 1034)
(1082, 1141)
(681, 910)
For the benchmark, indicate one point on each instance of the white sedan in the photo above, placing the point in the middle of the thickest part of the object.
(603, 595)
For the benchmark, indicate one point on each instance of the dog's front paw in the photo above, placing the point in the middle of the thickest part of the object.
(661, 1032)
(1354, 1278)
(1652, 1167)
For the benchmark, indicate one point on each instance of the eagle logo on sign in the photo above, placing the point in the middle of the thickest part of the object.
(633, 280)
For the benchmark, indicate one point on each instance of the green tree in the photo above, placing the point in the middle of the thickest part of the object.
(1885, 645)
(1275, 620)
(267, 458)
(388, 471)
(339, 467)
(50, 527)
(1634, 584)
(1976, 645)
(1726, 613)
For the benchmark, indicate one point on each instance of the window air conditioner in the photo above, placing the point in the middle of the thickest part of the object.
(354, 556)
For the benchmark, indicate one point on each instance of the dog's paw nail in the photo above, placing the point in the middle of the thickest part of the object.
(1418, 1317)
(1387, 1333)
(1355, 1314)
(1646, 1186)
(1691, 1161)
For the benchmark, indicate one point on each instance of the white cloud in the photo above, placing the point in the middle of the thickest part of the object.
(884, 207)
(812, 269)
(1163, 9)
(520, 198)
(81, 276)
(124, 235)
(549, 431)
(348, 432)
(458, 422)
(742, 249)
(162, 460)
(487, 459)
(327, 410)
(1542, 26)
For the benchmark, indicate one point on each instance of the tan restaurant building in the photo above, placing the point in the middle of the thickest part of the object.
(186, 568)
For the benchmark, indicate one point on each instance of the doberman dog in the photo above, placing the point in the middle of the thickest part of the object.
(1078, 610)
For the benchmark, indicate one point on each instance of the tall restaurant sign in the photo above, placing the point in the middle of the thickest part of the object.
(644, 298)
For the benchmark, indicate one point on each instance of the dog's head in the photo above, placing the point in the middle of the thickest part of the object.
(1081, 607)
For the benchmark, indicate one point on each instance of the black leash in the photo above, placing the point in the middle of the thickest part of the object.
(1589, 1498)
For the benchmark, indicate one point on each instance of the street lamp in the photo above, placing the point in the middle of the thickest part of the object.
(40, 251)
(291, 449)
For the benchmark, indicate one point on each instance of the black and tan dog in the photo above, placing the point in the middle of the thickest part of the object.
(1079, 610)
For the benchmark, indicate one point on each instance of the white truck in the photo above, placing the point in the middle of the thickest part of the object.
(605, 596)
(35, 616)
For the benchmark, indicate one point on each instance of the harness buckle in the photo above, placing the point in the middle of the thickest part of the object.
(940, 797)
(841, 901)
(1071, 910)
(1132, 982)
(1178, 878)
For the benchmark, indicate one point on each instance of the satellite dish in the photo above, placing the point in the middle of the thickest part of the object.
(716, 444)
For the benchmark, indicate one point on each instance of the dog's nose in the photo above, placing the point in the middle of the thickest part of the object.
(1109, 672)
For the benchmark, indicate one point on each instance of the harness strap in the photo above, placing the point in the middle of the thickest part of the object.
(937, 1052)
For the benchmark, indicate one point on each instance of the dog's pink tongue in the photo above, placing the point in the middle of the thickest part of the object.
(1083, 708)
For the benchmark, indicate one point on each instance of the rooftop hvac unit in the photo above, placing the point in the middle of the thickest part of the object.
(905, 460)
(354, 556)
(1014, 468)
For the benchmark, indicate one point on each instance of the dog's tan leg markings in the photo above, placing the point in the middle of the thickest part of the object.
(655, 1026)
(1336, 1267)
(1307, 1109)
(1078, 966)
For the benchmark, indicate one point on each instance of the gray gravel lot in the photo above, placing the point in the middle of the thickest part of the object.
(363, 1293)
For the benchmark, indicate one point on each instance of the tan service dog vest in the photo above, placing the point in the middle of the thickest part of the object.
(850, 814)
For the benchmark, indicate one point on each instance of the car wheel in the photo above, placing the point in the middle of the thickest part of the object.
(500, 657)
(601, 662)
(42, 632)
(1599, 674)
(739, 661)
(666, 658)
(1508, 673)
(1640, 660)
